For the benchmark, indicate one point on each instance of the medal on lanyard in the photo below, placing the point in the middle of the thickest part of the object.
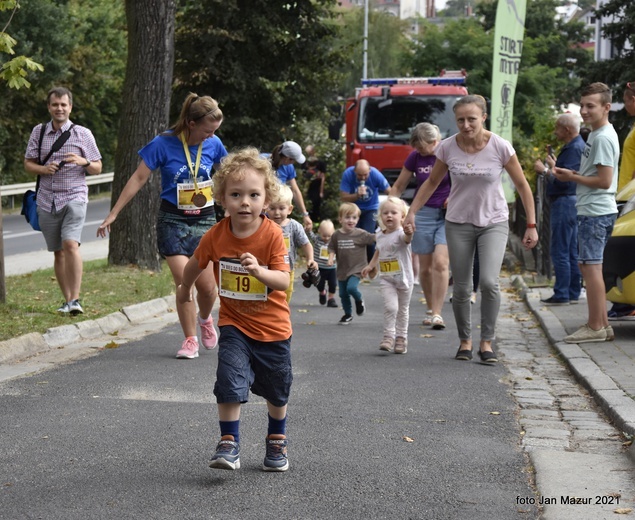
(199, 200)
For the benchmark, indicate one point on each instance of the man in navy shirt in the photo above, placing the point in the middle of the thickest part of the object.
(361, 184)
(561, 198)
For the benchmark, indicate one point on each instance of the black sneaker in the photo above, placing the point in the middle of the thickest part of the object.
(322, 299)
(346, 319)
(332, 303)
(359, 307)
(554, 301)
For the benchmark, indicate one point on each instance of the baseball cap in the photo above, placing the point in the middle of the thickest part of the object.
(292, 150)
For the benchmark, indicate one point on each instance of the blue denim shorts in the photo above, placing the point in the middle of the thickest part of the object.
(244, 364)
(429, 230)
(593, 234)
(180, 235)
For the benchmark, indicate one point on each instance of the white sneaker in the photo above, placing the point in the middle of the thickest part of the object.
(75, 308)
(586, 334)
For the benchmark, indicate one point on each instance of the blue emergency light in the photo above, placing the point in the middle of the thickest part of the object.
(437, 80)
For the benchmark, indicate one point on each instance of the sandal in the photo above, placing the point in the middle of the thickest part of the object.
(437, 322)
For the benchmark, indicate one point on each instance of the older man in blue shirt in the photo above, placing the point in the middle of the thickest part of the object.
(362, 184)
(561, 197)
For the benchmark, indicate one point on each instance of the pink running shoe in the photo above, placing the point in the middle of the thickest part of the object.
(209, 338)
(189, 349)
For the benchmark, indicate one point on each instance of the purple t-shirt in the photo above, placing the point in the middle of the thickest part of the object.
(421, 166)
(477, 195)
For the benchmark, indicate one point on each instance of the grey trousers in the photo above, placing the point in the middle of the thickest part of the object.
(462, 241)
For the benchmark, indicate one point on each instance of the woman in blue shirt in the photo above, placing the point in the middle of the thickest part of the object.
(186, 155)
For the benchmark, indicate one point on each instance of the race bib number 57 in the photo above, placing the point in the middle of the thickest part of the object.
(238, 284)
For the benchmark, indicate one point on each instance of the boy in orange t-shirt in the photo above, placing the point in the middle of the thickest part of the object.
(251, 266)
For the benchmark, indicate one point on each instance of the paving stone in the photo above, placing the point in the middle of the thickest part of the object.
(547, 433)
(538, 413)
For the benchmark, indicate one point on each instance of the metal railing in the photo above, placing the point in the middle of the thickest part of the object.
(14, 190)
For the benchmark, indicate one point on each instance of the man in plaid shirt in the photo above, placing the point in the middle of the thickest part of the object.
(62, 195)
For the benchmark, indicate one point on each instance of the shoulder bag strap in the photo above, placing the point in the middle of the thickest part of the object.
(58, 143)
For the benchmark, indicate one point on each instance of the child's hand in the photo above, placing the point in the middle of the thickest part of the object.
(250, 262)
(329, 262)
(183, 294)
(408, 229)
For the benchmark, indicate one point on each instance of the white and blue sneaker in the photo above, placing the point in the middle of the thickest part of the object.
(227, 454)
(276, 457)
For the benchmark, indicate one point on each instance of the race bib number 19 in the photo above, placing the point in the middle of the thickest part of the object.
(238, 284)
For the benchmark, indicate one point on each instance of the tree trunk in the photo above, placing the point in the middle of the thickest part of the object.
(144, 114)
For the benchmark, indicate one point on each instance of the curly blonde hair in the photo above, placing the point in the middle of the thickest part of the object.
(236, 164)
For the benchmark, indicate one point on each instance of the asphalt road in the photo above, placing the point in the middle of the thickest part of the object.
(20, 238)
(128, 433)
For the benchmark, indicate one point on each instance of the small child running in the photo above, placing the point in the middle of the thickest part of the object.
(294, 235)
(348, 245)
(394, 259)
(328, 277)
(251, 266)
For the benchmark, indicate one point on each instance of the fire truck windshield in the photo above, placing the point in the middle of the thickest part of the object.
(392, 119)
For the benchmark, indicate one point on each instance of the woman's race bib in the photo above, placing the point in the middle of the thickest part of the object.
(186, 193)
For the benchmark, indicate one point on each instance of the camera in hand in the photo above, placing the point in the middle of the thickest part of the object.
(311, 277)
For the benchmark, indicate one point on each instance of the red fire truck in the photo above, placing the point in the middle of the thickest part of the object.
(381, 116)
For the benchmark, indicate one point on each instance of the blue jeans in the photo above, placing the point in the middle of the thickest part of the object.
(564, 248)
(349, 288)
(368, 222)
(593, 234)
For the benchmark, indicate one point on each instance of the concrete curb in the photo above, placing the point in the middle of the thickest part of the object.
(617, 405)
(17, 349)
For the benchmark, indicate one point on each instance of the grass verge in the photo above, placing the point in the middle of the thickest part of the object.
(33, 298)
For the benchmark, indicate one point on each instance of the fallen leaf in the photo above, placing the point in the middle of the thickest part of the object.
(494, 413)
(528, 378)
(622, 510)
(439, 420)
(426, 335)
(303, 310)
(311, 323)
(407, 439)
(111, 344)
(628, 442)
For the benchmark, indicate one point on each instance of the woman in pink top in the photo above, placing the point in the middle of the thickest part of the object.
(477, 215)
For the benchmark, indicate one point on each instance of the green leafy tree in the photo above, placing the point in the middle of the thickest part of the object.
(387, 47)
(87, 56)
(269, 63)
(457, 8)
(14, 72)
(552, 59)
(621, 67)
